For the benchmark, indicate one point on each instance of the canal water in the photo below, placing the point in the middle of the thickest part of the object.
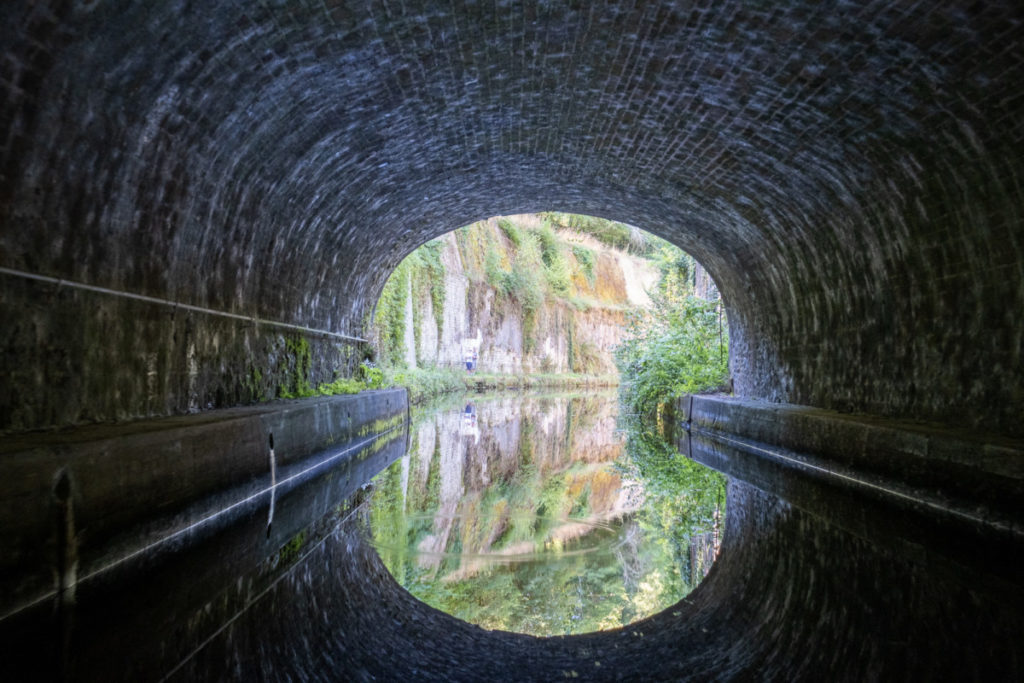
(545, 514)
(522, 515)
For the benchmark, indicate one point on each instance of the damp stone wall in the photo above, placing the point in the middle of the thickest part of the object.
(848, 174)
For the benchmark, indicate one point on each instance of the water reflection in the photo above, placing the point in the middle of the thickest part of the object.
(539, 515)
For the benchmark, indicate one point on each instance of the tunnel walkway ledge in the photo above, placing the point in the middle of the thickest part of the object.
(158, 475)
(963, 469)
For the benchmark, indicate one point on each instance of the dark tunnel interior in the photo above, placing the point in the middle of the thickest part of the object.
(184, 184)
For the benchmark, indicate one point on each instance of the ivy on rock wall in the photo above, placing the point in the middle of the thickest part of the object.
(550, 293)
(425, 272)
(610, 233)
(535, 264)
(522, 281)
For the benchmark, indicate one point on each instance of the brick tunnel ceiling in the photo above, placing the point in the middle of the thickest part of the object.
(849, 172)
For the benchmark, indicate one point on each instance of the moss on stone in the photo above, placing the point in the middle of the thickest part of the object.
(299, 362)
(290, 551)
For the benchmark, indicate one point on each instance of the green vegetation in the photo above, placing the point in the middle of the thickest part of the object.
(611, 233)
(298, 358)
(586, 259)
(252, 385)
(381, 425)
(524, 508)
(681, 347)
(290, 551)
(430, 255)
(533, 266)
(556, 266)
(422, 274)
(422, 383)
(539, 497)
(533, 274)
(512, 232)
(389, 317)
(528, 265)
(425, 383)
(683, 351)
(523, 282)
(583, 356)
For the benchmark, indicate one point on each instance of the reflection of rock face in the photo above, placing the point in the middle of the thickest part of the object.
(533, 456)
(521, 518)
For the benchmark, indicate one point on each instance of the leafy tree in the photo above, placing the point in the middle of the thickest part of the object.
(682, 350)
(680, 346)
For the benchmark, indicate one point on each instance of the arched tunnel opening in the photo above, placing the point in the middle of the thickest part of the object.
(540, 353)
(200, 200)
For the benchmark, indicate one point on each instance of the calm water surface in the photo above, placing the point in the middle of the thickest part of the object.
(543, 515)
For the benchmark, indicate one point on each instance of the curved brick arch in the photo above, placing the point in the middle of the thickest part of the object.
(849, 173)
(188, 187)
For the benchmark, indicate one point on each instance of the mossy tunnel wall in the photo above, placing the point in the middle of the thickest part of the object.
(188, 188)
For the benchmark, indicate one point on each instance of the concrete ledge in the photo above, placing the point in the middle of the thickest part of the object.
(110, 486)
(979, 470)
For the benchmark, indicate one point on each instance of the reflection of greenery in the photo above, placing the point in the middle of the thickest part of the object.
(636, 566)
(578, 594)
(682, 497)
(290, 551)
(424, 384)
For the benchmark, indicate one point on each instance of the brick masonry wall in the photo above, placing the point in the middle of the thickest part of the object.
(848, 173)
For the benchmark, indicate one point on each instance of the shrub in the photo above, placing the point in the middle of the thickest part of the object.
(511, 230)
(548, 244)
(494, 272)
(425, 382)
(681, 351)
(558, 275)
(587, 260)
(603, 230)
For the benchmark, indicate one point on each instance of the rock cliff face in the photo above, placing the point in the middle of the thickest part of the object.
(574, 330)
